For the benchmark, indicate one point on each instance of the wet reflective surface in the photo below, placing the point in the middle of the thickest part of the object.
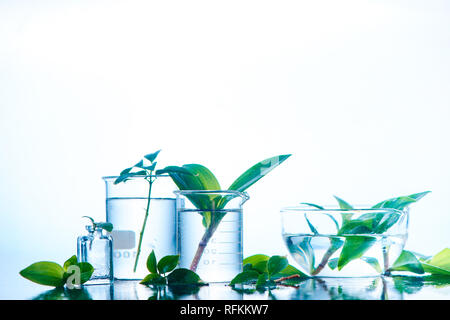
(380, 288)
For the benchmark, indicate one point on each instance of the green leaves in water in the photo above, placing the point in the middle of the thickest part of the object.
(266, 272)
(163, 272)
(50, 273)
(357, 232)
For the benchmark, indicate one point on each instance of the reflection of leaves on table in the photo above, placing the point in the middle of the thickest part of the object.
(64, 294)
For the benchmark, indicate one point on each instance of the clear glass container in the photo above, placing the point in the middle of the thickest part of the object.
(344, 243)
(209, 238)
(127, 206)
(96, 248)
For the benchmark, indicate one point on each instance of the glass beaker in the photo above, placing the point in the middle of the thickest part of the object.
(209, 232)
(127, 205)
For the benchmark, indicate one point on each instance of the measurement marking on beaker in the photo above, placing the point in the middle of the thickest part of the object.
(229, 231)
(226, 242)
(229, 253)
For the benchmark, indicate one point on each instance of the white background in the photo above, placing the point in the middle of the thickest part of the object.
(357, 91)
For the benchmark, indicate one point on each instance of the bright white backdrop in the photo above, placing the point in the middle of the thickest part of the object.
(358, 91)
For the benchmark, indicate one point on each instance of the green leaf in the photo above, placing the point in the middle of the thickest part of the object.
(400, 203)
(44, 272)
(313, 229)
(152, 156)
(168, 263)
(92, 220)
(86, 270)
(434, 269)
(343, 204)
(105, 225)
(69, 262)
(441, 259)
(254, 259)
(289, 271)
(153, 279)
(151, 262)
(354, 248)
(276, 264)
(183, 276)
(262, 280)
(439, 264)
(313, 205)
(407, 261)
(260, 266)
(256, 172)
(356, 226)
(245, 277)
(372, 262)
(206, 178)
(333, 263)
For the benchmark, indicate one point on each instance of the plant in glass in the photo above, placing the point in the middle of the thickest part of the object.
(196, 177)
(144, 168)
(369, 235)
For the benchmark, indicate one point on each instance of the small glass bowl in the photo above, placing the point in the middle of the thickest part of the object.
(344, 243)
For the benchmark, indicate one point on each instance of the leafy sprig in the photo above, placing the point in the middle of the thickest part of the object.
(266, 272)
(52, 274)
(164, 272)
(103, 225)
(198, 177)
(144, 169)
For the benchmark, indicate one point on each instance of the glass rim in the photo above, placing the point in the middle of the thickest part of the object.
(305, 208)
(237, 193)
(136, 177)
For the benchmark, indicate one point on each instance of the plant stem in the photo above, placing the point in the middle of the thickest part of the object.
(324, 261)
(386, 260)
(287, 278)
(141, 235)
(201, 246)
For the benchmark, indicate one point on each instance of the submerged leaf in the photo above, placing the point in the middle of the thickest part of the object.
(373, 262)
(354, 248)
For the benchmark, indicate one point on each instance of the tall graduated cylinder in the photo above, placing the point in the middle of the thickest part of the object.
(135, 236)
(209, 233)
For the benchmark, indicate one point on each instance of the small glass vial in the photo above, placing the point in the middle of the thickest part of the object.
(97, 248)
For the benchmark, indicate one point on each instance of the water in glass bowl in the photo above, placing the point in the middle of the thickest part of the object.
(318, 255)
